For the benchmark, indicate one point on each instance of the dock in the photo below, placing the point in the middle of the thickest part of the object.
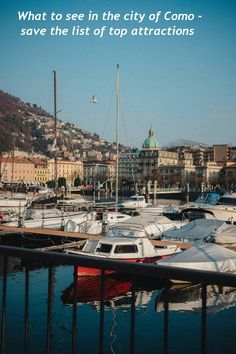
(8, 231)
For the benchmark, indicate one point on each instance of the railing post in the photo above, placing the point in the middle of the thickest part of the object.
(203, 319)
(74, 325)
(101, 337)
(49, 309)
(26, 310)
(4, 297)
(132, 327)
(166, 324)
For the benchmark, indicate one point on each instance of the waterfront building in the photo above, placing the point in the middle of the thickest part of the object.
(129, 165)
(70, 170)
(230, 176)
(208, 173)
(98, 171)
(16, 170)
(152, 156)
(40, 170)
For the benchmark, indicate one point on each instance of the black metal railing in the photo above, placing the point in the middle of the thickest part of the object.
(133, 269)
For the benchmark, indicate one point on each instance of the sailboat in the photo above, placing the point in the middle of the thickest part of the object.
(94, 224)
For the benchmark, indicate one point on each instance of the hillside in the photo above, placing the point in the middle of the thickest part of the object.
(32, 128)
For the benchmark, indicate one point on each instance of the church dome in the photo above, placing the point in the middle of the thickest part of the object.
(150, 142)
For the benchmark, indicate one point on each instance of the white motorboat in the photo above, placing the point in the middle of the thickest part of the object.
(145, 225)
(129, 249)
(226, 237)
(46, 218)
(159, 209)
(205, 257)
(196, 231)
(134, 202)
(224, 209)
(95, 223)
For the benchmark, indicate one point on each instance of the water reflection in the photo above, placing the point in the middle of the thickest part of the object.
(117, 291)
(188, 298)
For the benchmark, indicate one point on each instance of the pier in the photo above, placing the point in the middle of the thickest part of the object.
(9, 231)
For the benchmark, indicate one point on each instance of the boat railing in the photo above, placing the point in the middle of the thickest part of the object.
(134, 270)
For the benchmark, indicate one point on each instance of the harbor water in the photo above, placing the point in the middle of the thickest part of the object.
(184, 302)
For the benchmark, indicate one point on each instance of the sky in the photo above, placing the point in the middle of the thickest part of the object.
(184, 87)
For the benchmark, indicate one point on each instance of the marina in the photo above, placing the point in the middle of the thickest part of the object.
(118, 178)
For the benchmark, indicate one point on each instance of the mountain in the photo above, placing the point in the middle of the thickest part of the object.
(31, 129)
(185, 143)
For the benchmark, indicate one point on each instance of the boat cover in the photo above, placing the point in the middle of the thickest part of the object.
(195, 231)
(208, 257)
(226, 237)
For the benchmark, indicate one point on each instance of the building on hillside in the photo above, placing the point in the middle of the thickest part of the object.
(70, 170)
(16, 170)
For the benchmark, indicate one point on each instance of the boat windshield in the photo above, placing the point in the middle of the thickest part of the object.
(208, 198)
(136, 198)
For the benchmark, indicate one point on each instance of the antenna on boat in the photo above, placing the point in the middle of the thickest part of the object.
(117, 130)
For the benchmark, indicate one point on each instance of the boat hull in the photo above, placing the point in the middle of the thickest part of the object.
(86, 271)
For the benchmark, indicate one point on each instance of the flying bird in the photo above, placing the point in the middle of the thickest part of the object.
(93, 100)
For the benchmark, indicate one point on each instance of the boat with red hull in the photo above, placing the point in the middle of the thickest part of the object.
(123, 249)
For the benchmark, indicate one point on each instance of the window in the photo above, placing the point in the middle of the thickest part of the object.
(105, 248)
(126, 249)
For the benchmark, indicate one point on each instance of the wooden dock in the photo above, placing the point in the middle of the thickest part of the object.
(8, 231)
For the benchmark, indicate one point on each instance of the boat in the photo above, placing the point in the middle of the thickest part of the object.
(196, 231)
(95, 223)
(203, 200)
(79, 202)
(46, 218)
(134, 202)
(226, 237)
(224, 209)
(128, 249)
(205, 257)
(18, 201)
(144, 225)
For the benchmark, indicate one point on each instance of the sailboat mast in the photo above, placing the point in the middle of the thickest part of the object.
(55, 127)
(117, 130)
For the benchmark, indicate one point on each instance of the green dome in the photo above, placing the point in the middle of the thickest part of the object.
(150, 142)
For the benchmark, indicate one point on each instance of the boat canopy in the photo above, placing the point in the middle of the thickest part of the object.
(141, 226)
(208, 257)
(195, 231)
